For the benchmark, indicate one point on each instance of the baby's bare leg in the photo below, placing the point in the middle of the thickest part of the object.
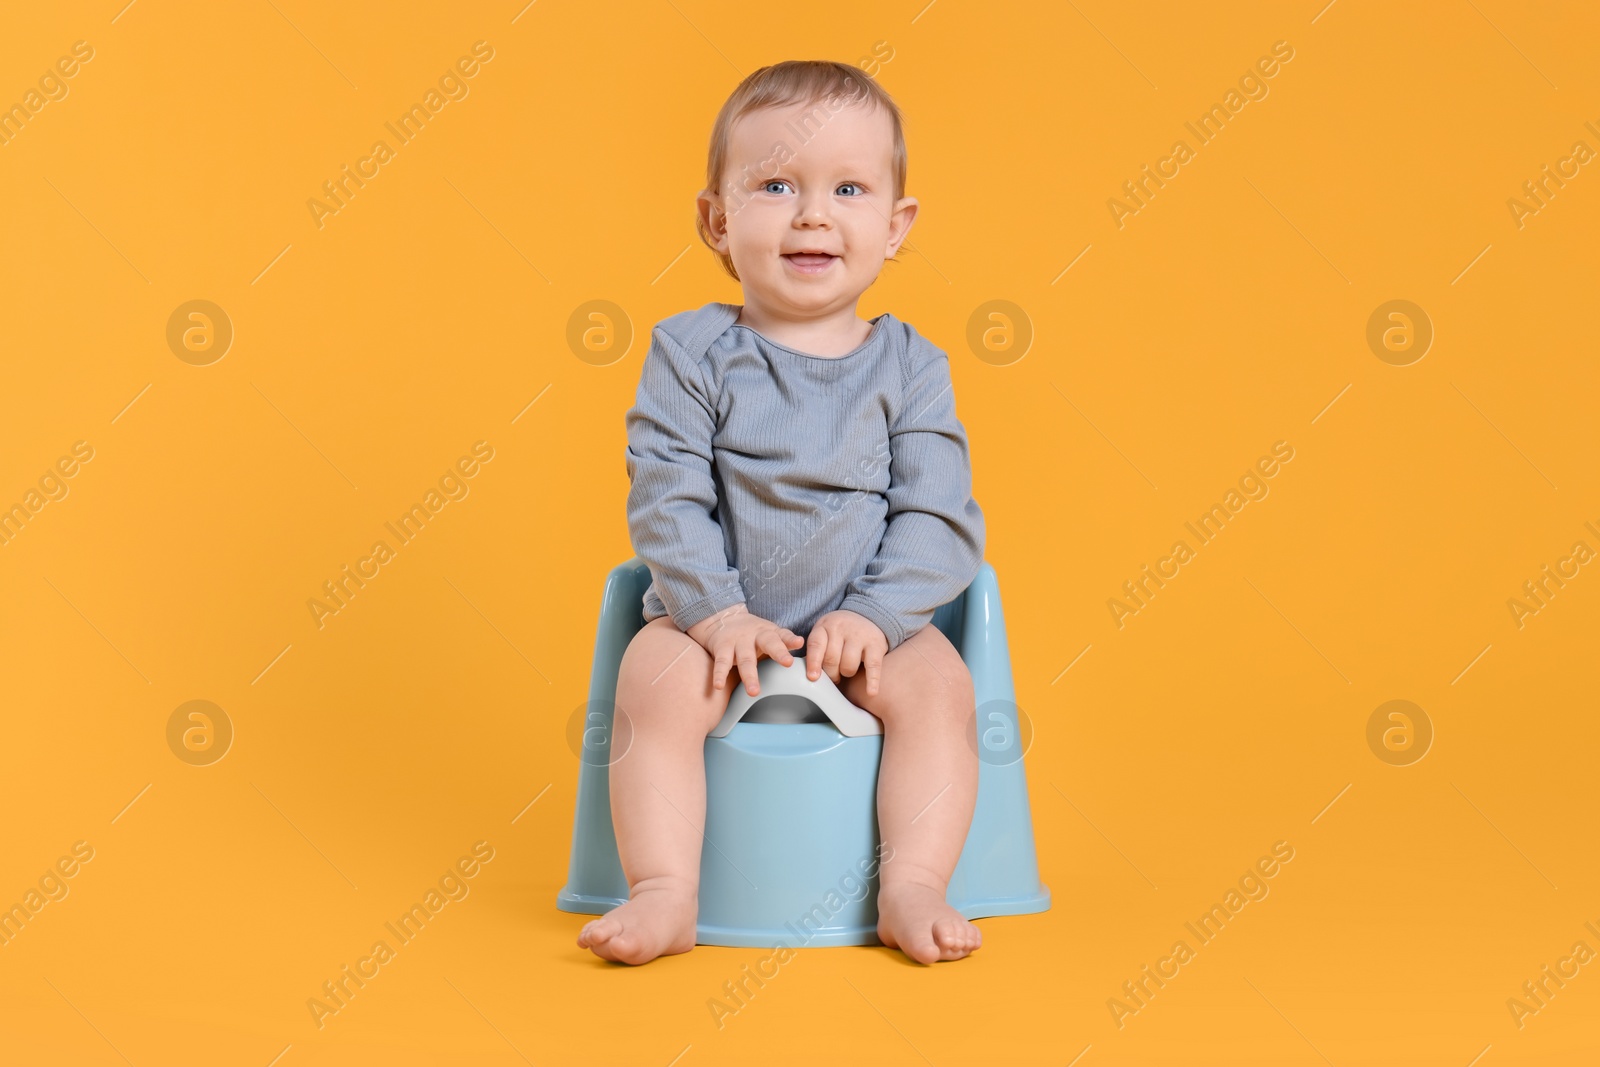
(927, 788)
(658, 794)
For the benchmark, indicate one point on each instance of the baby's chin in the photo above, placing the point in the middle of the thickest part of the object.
(805, 302)
(818, 293)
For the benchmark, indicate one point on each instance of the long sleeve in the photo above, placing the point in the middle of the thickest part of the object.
(934, 543)
(672, 498)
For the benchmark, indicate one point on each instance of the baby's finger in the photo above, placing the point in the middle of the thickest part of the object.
(830, 658)
(747, 667)
(773, 644)
(816, 648)
(874, 669)
(720, 665)
(850, 656)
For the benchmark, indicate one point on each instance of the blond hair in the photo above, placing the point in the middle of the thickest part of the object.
(795, 81)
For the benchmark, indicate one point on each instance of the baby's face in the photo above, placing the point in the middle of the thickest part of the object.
(832, 193)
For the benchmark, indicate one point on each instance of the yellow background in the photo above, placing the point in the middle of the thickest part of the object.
(425, 716)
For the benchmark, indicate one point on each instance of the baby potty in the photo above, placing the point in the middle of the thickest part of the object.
(791, 850)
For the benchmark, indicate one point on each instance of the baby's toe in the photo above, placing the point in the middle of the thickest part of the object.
(956, 938)
(919, 942)
(610, 939)
(598, 931)
(924, 948)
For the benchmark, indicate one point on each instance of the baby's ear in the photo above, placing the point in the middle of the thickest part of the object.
(713, 219)
(905, 213)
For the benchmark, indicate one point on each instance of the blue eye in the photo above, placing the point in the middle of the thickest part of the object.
(768, 187)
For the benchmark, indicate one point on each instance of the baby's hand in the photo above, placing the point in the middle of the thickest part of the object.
(841, 642)
(736, 636)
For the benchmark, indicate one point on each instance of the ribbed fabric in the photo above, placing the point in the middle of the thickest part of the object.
(797, 484)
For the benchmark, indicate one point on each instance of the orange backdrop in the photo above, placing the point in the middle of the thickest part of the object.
(1339, 346)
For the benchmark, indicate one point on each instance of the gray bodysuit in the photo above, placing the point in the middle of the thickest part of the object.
(796, 484)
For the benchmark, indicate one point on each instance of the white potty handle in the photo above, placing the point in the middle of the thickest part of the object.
(788, 696)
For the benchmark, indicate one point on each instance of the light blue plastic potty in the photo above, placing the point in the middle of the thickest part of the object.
(791, 852)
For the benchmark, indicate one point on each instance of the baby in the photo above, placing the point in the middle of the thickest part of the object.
(796, 469)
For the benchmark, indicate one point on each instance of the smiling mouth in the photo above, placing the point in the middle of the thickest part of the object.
(810, 262)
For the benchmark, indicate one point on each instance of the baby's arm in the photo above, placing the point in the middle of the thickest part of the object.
(934, 543)
(672, 504)
(672, 498)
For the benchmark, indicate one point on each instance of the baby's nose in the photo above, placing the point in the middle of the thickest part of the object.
(814, 207)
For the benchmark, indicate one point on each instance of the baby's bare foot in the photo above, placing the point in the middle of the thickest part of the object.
(657, 920)
(915, 919)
